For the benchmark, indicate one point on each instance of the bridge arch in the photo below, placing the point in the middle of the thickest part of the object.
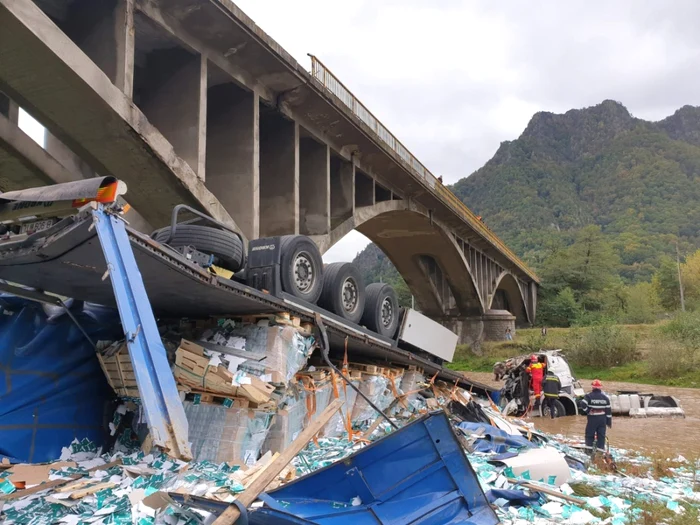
(410, 238)
(508, 295)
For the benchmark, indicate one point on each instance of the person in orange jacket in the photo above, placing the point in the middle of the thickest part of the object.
(536, 371)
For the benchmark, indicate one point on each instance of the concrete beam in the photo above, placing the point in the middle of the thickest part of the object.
(44, 71)
(74, 164)
(9, 108)
(279, 176)
(178, 31)
(23, 163)
(233, 154)
(314, 187)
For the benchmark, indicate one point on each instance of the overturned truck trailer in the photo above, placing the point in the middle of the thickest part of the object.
(71, 241)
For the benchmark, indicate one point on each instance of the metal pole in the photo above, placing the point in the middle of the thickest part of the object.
(680, 278)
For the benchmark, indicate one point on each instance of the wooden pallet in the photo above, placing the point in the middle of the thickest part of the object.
(119, 372)
(317, 375)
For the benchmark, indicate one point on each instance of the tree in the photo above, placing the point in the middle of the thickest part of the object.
(665, 283)
(642, 304)
(690, 273)
(559, 310)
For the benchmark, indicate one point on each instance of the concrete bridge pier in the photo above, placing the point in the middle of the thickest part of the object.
(490, 326)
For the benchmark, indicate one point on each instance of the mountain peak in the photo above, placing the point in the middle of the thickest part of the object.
(683, 125)
(577, 132)
(639, 181)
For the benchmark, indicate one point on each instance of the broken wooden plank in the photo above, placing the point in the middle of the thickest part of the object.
(272, 469)
(78, 494)
(57, 482)
(547, 490)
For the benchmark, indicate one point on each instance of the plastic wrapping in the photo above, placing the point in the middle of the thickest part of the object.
(289, 421)
(410, 384)
(286, 351)
(232, 435)
(336, 425)
(376, 388)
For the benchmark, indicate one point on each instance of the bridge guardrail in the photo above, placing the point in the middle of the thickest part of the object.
(329, 81)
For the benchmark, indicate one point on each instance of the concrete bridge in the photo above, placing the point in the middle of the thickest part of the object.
(189, 101)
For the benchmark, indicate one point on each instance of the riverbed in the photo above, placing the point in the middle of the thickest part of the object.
(665, 436)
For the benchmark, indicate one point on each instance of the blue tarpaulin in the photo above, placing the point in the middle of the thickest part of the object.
(52, 389)
(494, 439)
(516, 498)
(418, 474)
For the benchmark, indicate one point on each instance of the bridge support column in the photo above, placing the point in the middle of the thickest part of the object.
(314, 187)
(171, 90)
(279, 176)
(496, 323)
(233, 154)
(364, 190)
(342, 191)
(491, 326)
(470, 330)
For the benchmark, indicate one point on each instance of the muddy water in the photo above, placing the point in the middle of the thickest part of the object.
(669, 437)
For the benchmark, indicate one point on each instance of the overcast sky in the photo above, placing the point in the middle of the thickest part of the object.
(452, 79)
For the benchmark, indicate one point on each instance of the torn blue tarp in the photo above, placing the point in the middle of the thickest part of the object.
(516, 498)
(52, 389)
(493, 439)
(418, 474)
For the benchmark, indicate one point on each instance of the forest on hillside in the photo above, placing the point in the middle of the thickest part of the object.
(597, 202)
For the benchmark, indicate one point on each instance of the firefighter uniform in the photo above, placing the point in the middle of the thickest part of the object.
(551, 387)
(536, 371)
(596, 406)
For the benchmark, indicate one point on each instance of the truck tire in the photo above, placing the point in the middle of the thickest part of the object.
(381, 309)
(559, 410)
(225, 246)
(301, 267)
(343, 291)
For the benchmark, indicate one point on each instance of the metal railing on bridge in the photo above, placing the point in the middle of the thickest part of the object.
(330, 82)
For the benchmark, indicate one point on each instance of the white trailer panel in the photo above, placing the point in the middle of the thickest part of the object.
(427, 335)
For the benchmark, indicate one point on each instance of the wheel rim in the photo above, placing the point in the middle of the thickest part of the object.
(387, 312)
(304, 275)
(349, 295)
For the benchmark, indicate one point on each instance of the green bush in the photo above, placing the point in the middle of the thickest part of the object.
(683, 328)
(603, 345)
(676, 350)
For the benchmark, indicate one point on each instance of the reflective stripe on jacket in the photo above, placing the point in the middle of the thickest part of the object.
(551, 385)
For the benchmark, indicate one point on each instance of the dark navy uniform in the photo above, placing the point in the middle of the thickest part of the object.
(596, 406)
(551, 387)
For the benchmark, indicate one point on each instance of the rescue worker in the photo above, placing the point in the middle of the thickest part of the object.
(551, 387)
(536, 371)
(596, 406)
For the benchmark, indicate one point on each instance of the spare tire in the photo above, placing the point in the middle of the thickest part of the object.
(343, 291)
(381, 309)
(301, 267)
(224, 245)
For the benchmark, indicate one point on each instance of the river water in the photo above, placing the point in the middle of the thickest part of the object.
(665, 436)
